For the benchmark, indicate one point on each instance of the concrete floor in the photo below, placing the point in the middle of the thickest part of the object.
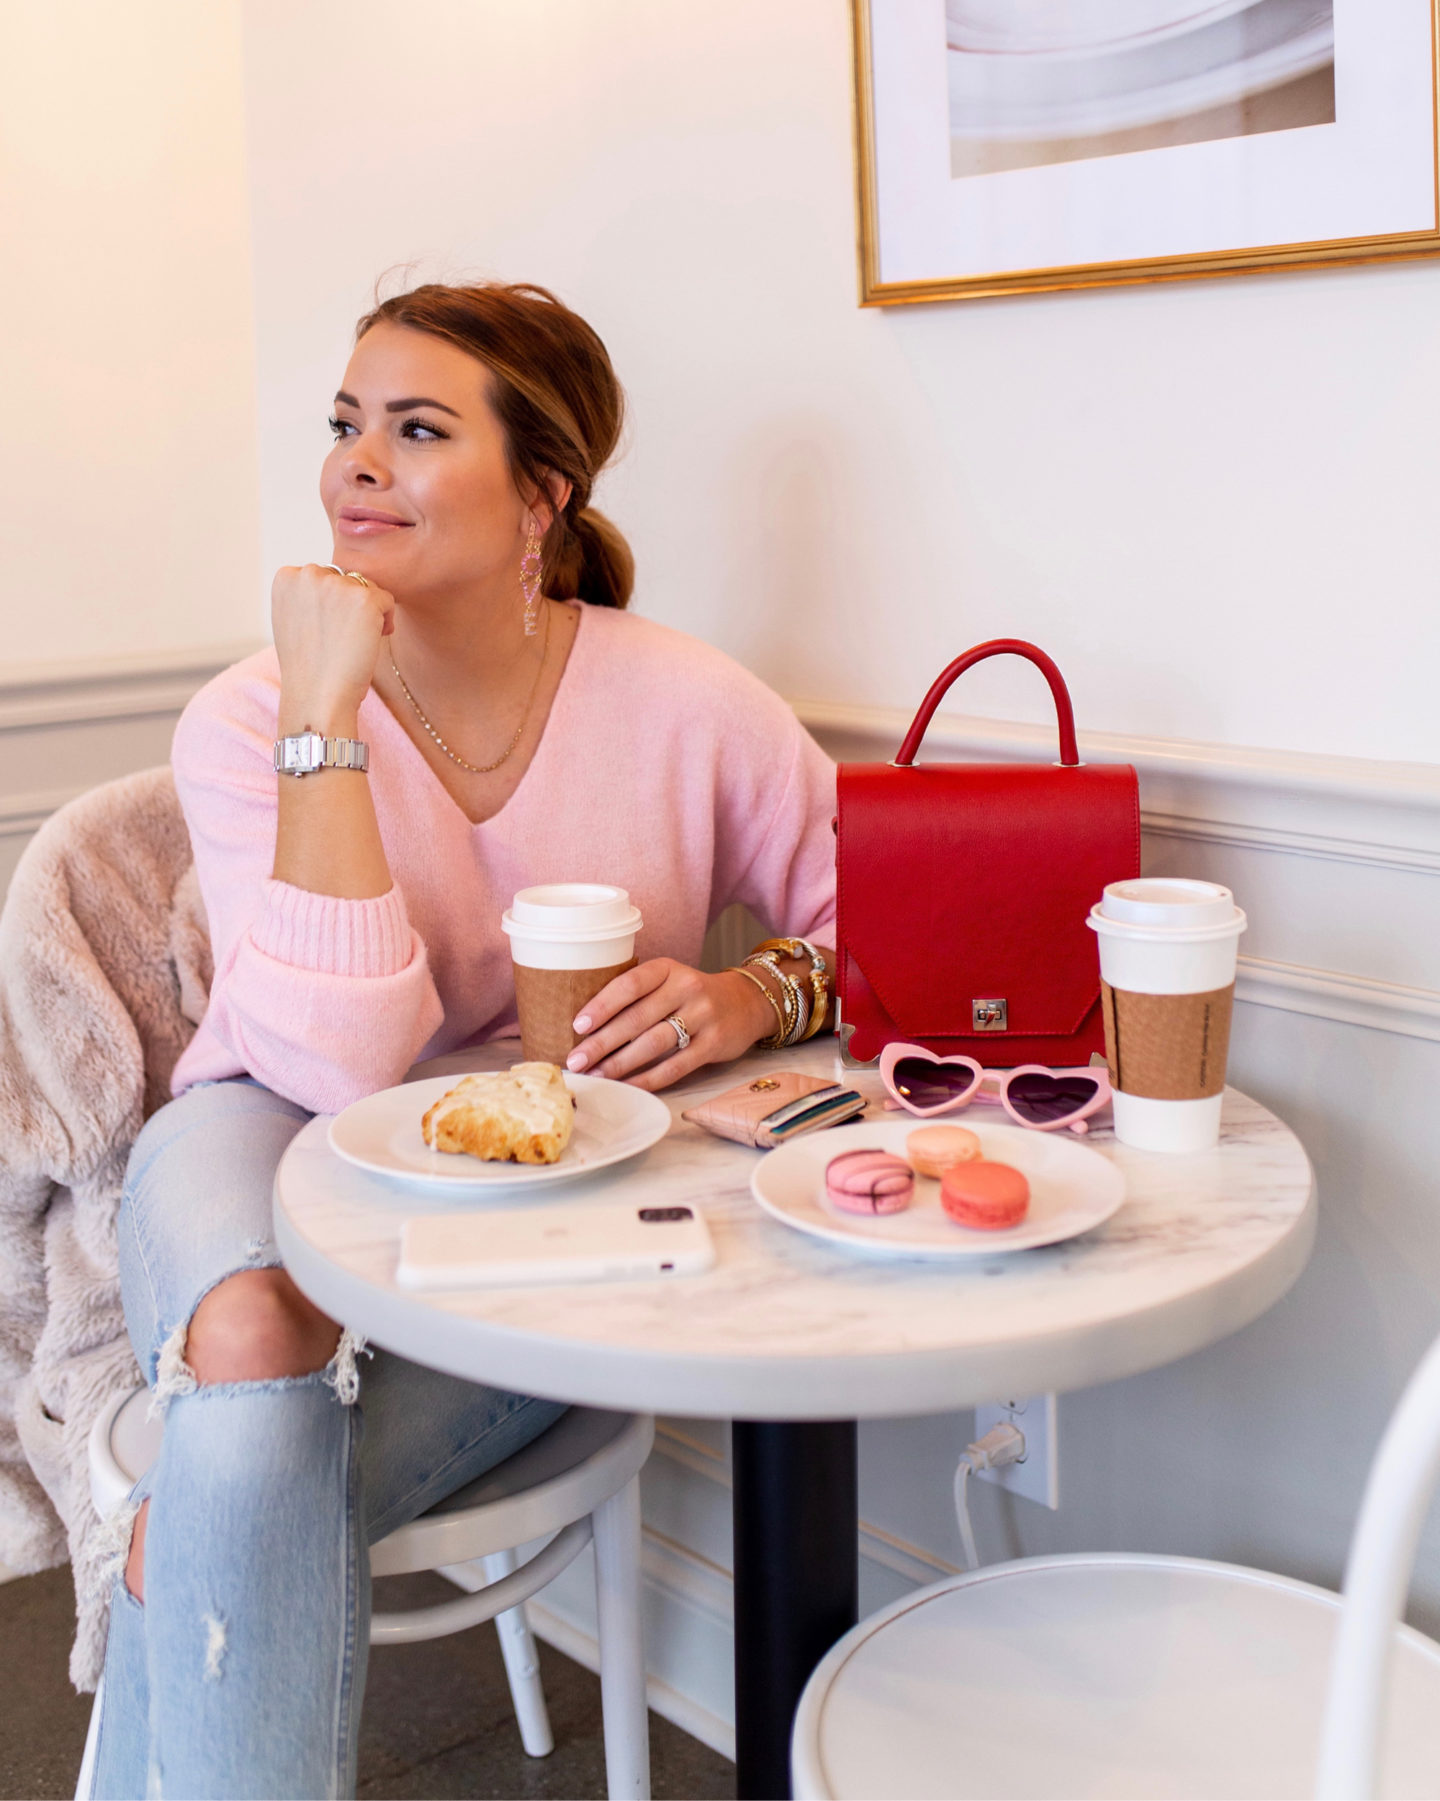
(437, 1718)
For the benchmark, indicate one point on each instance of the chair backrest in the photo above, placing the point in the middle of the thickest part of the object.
(1377, 1576)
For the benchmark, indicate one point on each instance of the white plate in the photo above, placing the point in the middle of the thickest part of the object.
(382, 1134)
(1072, 1189)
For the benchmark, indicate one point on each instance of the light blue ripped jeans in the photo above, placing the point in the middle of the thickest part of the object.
(242, 1673)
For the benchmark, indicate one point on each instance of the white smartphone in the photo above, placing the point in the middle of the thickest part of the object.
(512, 1247)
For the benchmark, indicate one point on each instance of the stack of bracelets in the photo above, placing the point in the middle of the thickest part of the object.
(799, 1012)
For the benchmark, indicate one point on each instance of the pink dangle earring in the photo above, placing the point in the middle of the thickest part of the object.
(530, 579)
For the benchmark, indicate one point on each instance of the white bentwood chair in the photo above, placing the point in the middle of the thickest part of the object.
(1122, 1676)
(578, 1480)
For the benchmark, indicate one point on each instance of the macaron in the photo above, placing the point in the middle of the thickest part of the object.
(985, 1196)
(869, 1182)
(933, 1149)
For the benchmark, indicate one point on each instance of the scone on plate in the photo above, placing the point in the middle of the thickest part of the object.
(520, 1115)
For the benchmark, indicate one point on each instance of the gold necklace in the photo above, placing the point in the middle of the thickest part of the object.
(481, 768)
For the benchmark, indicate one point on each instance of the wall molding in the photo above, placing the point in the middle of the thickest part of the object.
(22, 814)
(67, 727)
(1339, 809)
(912, 1562)
(1351, 1000)
(84, 693)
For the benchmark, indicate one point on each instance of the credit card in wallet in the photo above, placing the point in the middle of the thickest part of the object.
(821, 1107)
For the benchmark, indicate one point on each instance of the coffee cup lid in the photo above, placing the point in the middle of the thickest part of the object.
(575, 911)
(1168, 901)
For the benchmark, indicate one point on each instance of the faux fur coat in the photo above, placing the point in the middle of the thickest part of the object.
(104, 972)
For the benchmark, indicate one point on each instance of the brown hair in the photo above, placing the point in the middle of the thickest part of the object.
(556, 396)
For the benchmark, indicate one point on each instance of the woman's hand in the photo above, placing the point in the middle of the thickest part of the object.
(327, 636)
(628, 1034)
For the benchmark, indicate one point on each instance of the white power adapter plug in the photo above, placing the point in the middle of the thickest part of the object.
(1002, 1444)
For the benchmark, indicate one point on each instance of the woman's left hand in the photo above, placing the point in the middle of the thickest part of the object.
(628, 1032)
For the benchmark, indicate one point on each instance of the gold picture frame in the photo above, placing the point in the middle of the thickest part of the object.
(876, 290)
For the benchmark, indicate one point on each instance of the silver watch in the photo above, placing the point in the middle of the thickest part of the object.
(308, 752)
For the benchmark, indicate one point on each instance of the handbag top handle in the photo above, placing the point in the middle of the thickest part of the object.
(996, 647)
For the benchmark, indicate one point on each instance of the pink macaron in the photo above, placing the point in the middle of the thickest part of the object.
(869, 1182)
(985, 1196)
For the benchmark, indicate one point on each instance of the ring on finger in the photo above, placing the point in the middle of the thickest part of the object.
(351, 575)
(682, 1037)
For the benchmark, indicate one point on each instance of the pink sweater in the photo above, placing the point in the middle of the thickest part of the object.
(664, 766)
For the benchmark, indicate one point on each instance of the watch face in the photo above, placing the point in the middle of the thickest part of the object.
(303, 754)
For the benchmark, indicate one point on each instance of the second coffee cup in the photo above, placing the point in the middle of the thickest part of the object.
(567, 941)
(1167, 969)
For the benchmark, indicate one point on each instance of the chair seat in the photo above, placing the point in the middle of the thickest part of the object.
(563, 1475)
(1106, 1676)
(124, 1442)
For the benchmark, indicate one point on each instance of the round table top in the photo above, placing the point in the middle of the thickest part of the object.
(787, 1327)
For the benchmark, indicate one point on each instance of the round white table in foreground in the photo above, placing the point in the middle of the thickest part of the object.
(789, 1328)
(794, 1339)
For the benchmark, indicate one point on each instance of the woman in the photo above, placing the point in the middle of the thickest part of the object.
(519, 728)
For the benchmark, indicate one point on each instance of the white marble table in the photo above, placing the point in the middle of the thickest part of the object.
(789, 1329)
(786, 1327)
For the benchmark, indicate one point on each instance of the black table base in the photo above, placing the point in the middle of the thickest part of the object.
(796, 1581)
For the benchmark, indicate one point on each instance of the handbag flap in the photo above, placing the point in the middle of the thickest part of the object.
(961, 882)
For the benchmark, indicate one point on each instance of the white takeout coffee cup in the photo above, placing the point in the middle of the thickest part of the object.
(571, 925)
(568, 940)
(1168, 949)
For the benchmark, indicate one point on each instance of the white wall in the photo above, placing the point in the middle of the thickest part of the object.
(127, 459)
(1212, 502)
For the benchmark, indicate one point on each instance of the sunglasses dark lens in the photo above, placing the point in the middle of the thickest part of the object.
(1040, 1099)
(926, 1084)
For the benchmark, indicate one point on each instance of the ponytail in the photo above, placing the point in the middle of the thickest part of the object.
(593, 562)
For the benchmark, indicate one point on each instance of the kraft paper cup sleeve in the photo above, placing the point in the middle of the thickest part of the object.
(1167, 1047)
(547, 1001)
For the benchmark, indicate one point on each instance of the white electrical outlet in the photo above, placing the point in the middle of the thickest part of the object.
(1037, 1474)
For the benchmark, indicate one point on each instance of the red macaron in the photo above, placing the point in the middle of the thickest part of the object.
(986, 1196)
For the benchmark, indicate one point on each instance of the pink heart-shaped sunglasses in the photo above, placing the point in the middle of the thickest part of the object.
(1034, 1096)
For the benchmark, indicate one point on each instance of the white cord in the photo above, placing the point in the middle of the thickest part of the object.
(1002, 1444)
(962, 1514)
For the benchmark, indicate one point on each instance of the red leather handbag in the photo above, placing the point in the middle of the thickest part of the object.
(964, 890)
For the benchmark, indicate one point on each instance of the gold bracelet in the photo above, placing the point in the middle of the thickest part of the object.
(819, 978)
(789, 995)
(797, 1001)
(766, 1044)
(789, 998)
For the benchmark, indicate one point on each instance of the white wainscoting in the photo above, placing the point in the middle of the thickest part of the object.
(67, 728)
(1256, 1449)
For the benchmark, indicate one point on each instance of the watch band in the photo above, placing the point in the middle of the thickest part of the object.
(308, 752)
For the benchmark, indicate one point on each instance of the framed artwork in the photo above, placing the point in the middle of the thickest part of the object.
(1019, 146)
